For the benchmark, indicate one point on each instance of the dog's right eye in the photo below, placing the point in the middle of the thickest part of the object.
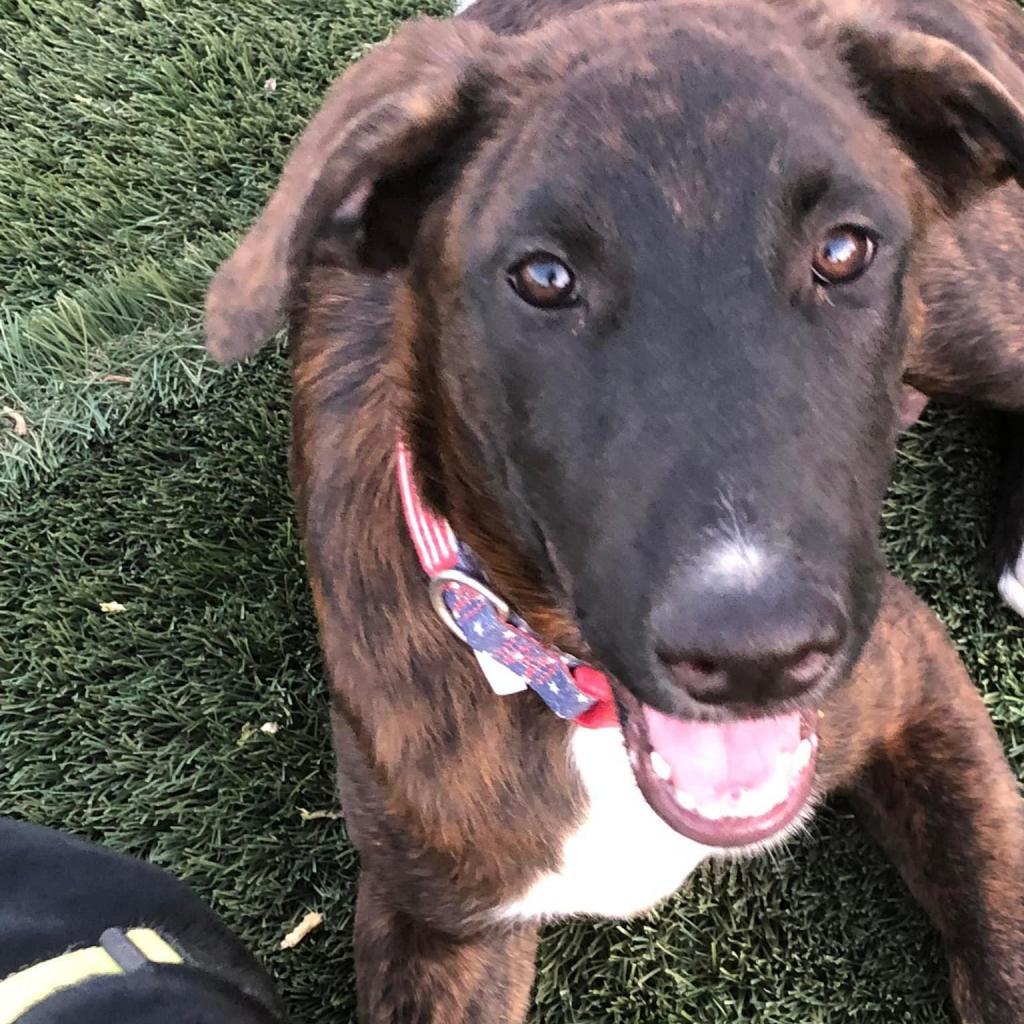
(843, 255)
(543, 281)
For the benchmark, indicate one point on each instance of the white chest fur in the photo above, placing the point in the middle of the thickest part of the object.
(623, 859)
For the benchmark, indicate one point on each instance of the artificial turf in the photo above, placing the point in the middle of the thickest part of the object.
(136, 140)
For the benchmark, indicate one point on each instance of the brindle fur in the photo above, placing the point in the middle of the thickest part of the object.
(449, 793)
(457, 799)
(911, 742)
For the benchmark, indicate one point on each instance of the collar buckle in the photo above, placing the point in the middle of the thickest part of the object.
(447, 577)
(509, 653)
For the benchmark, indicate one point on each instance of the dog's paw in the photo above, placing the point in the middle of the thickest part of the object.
(1011, 584)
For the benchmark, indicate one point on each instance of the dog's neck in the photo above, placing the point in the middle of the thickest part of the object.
(407, 701)
(512, 658)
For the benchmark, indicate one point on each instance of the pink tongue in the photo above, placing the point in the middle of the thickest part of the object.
(709, 759)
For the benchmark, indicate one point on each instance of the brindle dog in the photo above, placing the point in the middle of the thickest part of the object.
(638, 284)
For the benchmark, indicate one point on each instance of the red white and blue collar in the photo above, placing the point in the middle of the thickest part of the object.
(510, 654)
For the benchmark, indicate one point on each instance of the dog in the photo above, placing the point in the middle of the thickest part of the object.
(91, 936)
(604, 320)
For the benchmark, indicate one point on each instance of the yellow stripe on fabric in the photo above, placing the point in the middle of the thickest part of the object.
(28, 988)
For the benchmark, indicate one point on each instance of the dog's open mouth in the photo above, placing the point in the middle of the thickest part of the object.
(723, 784)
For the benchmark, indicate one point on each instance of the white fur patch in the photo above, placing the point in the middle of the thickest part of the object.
(623, 859)
(738, 562)
(735, 558)
(1011, 585)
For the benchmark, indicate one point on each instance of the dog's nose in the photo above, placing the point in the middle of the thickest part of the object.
(746, 638)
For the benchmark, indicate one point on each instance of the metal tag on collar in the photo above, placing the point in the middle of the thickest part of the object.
(502, 681)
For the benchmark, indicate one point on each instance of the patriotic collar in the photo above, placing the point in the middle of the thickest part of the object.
(511, 656)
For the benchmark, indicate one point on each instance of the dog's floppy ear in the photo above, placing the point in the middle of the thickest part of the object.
(396, 108)
(962, 126)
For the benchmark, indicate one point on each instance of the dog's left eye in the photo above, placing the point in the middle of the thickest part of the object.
(543, 281)
(843, 255)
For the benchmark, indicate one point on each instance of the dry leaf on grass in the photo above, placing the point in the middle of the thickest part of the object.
(115, 378)
(20, 425)
(312, 920)
(305, 815)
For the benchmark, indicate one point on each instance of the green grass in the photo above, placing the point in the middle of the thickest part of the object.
(139, 139)
(168, 495)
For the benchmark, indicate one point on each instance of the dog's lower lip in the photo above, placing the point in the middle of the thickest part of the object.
(731, 827)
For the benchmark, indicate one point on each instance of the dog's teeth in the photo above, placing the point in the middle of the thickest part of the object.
(740, 802)
(685, 800)
(747, 803)
(661, 767)
(754, 803)
(715, 812)
(763, 801)
(775, 796)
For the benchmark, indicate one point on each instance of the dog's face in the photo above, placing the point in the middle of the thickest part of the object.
(670, 298)
(660, 264)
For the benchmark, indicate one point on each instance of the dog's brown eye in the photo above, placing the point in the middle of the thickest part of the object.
(544, 281)
(843, 255)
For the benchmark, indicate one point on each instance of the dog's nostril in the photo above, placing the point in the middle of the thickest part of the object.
(808, 667)
(702, 678)
(700, 666)
(685, 665)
